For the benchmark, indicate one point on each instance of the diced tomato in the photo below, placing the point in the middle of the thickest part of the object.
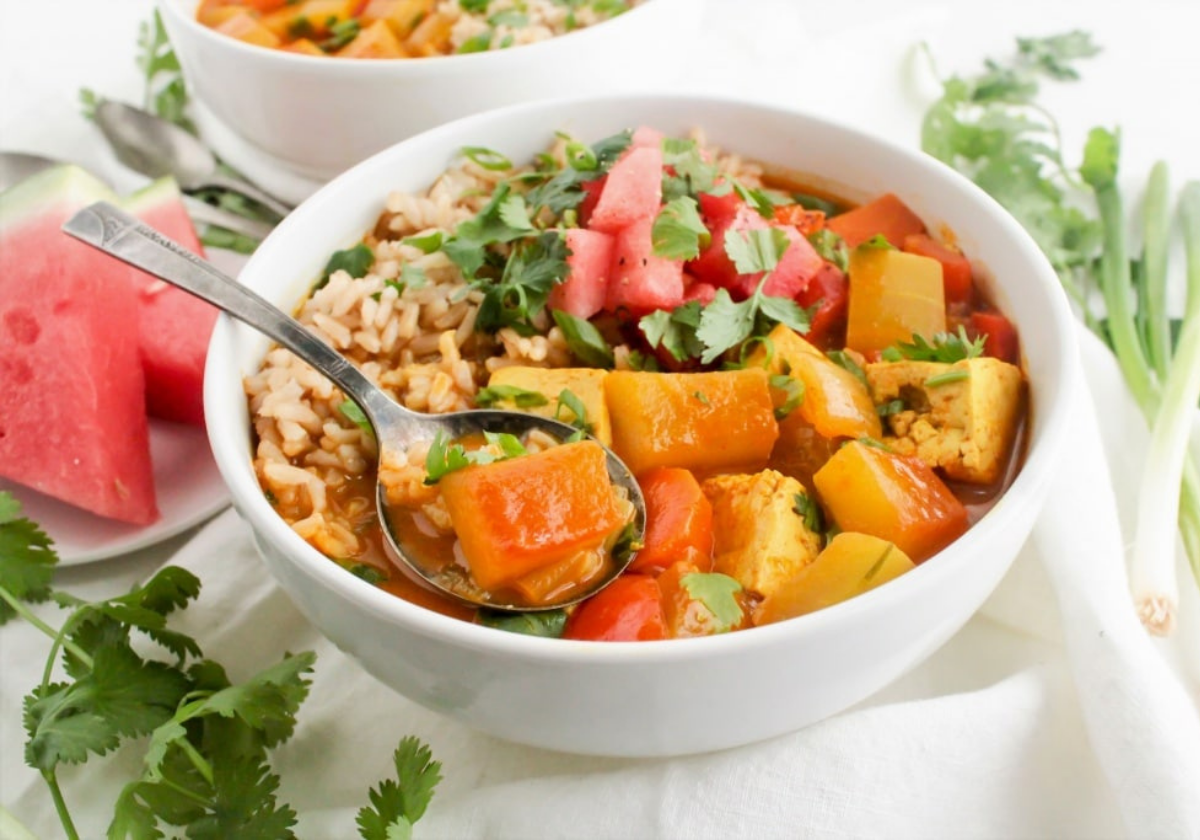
(583, 292)
(592, 190)
(703, 292)
(1001, 340)
(886, 216)
(829, 292)
(640, 282)
(678, 521)
(632, 192)
(713, 265)
(628, 610)
(806, 221)
(956, 268)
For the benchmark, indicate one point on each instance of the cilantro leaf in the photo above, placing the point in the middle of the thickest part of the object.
(397, 805)
(942, 347)
(685, 171)
(584, 341)
(535, 266)
(757, 250)
(467, 248)
(808, 510)
(547, 623)
(356, 262)
(27, 557)
(831, 247)
(243, 804)
(427, 243)
(724, 324)
(793, 394)
(678, 233)
(716, 592)
(443, 459)
(675, 331)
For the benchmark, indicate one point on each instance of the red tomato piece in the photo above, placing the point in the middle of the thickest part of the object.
(628, 610)
(830, 293)
(956, 268)
(679, 522)
(1001, 335)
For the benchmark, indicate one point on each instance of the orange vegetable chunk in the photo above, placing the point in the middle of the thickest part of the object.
(375, 41)
(896, 498)
(886, 216)
(518, 515)
(687, 616)
(893, 296)
(850, 565)
(698, 421)
(836, 402)
(245, 28)
(679, 522)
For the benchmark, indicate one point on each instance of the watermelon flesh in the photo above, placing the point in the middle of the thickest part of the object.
(632, 191)
(72, 403)
(639, 282)
(173, 326)
(796, 268)
(582, 294)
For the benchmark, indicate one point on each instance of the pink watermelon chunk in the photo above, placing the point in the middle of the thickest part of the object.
(640, 282)
(632, 191)
(72, 405)
(646, 137)
(798, 265)
(705, 293)
(173, 326)
(582, 294)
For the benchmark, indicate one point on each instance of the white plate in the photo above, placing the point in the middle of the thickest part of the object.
(188, 486)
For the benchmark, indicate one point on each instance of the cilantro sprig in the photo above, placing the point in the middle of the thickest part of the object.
(206, 770)
(444, 458)
(941, 347)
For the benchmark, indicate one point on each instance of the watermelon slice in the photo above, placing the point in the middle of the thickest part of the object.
(582, 293)
(713, 265)
(798, 265)
(639, 282)
(645, 136)
(632, 191)
(72, 404)
(173, 326)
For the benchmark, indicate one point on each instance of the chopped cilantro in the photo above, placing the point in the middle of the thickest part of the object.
(678, 233)
(760, 200)
(793, 390)
(814, 202)
(428, 243)
(341, 33)
(830, 247)
(891, 407)
(519, 397)
(356, 262)
(701, 397)
(873, 443)
(476, 43)
(942, 347)
(547, 623)
(808, 510)
(474, 6)
(716, 592)
(514, 18)
(753, 251)
(584, 341)
(443, 458)
(878, 242)
(685, 171)
(533, 268)
(492, 225)
(364, 571)
(675, 331)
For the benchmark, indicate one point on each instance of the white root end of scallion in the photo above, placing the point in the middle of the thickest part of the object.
(1157, 613)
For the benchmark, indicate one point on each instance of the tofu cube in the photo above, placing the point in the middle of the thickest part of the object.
(585, 383)
(759, 538)
(959, 418)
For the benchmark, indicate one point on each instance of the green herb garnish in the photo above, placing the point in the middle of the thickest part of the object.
(519, 397)
(489, 159)
(942, 347)
(678, 233)
(352, 412)
(546, 623)
(584, 341)
(675, 331)
(356, 262)
(716, 592)
(809, 511)
(947, 378)
(569, 400)
(793, 390)
(845, 361)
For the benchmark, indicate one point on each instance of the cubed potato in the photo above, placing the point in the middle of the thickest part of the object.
(897, 498)
(245, 28)
(704, 422)
(401, 15)
(893, 296)
(760, 539)
(836, 402)
(375, 41)
(850, 565)
(585, 383)
(308, 18)
(965, 426)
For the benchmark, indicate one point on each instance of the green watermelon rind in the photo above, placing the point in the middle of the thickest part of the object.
(66, 184)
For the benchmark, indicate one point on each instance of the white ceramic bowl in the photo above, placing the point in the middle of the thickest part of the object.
(318, 116)
(680, 696)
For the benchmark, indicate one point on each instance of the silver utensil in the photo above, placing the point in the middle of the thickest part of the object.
(396, 428)
(155, 147)
(17, 166)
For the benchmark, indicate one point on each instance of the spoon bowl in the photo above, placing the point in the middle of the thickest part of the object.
(395, 427)
(148, 144)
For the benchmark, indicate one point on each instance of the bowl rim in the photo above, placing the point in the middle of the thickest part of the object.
(1027, 489)
(461, 62)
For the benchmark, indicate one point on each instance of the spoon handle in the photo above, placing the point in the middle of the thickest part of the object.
(249, 190)
(116, 233)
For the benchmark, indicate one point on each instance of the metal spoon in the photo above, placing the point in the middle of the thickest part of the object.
(149, 144)
(114, 232)
(17, 166)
